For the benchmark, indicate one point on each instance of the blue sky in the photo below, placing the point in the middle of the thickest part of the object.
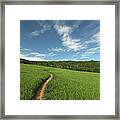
(60, 40)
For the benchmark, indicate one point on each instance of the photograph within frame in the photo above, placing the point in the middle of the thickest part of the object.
(79, 116)
(60, 59)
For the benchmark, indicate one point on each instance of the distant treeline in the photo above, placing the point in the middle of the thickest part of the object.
(88, 66)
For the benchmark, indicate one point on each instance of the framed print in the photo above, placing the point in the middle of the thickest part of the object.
(60, 59)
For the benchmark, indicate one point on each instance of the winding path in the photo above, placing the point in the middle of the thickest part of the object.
(40, 92)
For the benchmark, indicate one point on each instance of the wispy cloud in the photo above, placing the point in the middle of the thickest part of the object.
(51, 54)
(90, 49)
(31, 58)
(30, 55)
(45, 28)
(65, 39)
(37, 54)
(71, 44)
(95, 38)
(94, 49)
(64, 33)
(57, 49)
(90, 52)
(25, 49)
(42, 27)
(62, 29)
(84, 57)
(77, 24)
(35, 33)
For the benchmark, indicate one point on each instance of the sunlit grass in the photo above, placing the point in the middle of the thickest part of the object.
(65, 85)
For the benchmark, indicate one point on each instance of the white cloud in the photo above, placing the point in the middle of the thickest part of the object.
(33, 58)
(25, 49)
(33, 53)
(35, 33)
(85, 45)
(37, 54)
(77, 24)
(64, 31)
(91, 51)
(84, 57)
(42, 27)
(71, 44)
(64, 59)
(56, 49)
(96, 36)
(95, 49)
(45, 28)
(73, 59)
(88, 52)
(51, 54)
(94, 39)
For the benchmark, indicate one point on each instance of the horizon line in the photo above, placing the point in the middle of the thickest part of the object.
(59, 60)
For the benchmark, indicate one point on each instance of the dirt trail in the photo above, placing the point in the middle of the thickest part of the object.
(40, 92)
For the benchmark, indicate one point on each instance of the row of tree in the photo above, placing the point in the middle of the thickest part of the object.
(88, 66)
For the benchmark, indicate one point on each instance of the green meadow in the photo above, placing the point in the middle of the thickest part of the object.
(65, 85)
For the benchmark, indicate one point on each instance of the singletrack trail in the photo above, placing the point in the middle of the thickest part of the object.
(40, 92)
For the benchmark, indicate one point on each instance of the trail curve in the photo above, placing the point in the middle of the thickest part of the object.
(40, 92)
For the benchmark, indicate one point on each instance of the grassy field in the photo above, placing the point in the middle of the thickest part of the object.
(31, 76)
(65, 85)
